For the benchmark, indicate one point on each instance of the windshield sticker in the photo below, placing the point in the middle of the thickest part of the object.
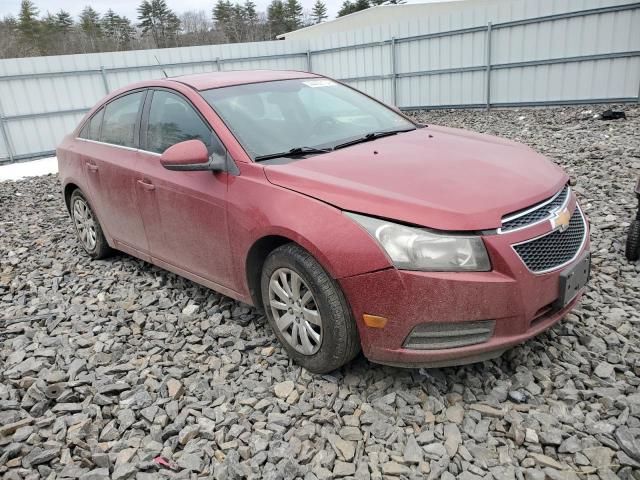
(319, 83)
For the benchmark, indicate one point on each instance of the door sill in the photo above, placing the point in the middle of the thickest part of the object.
(118, 245)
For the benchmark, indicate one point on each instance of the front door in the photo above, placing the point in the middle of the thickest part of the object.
(112, 166)
(184, 213)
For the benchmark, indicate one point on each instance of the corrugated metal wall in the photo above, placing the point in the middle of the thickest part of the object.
(44, 98)
(496, 52)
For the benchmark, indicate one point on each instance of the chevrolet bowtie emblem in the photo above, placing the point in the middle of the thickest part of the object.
(560, 220)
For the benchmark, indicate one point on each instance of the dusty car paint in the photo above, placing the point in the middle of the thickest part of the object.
(206, 226)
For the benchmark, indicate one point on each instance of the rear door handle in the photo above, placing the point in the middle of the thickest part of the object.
(92, 167)
(146, 185)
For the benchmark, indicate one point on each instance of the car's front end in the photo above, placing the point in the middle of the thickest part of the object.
(539, 264)
(474, 243)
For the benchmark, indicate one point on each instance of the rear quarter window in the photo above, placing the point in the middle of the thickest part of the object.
(91, 130)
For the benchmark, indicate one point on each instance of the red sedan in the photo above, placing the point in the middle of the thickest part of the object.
(353, 226)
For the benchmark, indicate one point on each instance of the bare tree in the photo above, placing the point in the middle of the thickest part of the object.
(9, 42)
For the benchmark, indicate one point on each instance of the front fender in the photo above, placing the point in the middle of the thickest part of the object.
(259, 209)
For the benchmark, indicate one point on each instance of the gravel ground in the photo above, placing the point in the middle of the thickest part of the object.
(108, 365)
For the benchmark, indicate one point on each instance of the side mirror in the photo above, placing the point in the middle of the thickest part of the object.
(190, 155)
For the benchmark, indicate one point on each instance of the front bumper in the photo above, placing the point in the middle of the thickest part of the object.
(519, 303)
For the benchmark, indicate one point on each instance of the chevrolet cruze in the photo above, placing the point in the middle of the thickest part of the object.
(351, 225)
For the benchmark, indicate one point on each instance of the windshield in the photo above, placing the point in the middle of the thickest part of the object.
(272, 117)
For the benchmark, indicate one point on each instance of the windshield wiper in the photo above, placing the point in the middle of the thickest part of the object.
(372, 136)
(292, 153)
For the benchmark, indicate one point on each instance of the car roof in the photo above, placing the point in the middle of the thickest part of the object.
(205, 81)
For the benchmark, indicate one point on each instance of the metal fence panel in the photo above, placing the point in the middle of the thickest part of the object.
(593, 34)
(485, 53)
(464, 88)
(594, 80)
(39, 135)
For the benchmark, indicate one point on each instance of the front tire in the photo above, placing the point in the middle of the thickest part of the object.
(87, 227)
(307, 310)
(633, 241)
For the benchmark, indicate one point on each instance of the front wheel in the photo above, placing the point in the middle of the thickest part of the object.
(87, 227)
(633, 241)
(307, 310)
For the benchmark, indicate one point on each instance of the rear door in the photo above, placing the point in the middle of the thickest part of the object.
(112, 165)
(184, 213)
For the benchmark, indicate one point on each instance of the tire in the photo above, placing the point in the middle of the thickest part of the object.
(339, 342)
(633, 241)
(87, 227)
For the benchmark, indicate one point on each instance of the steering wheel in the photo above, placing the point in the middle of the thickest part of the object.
(321, 123)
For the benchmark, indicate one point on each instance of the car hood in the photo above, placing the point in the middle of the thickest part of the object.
(437, 177)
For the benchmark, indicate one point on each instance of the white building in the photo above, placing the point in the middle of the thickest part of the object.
(383, 15)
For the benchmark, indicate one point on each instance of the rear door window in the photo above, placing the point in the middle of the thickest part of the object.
(91, 131)
(120, 118)
(172, 120)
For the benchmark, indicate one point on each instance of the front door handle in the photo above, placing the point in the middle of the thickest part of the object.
(146, 185)
(92, 167)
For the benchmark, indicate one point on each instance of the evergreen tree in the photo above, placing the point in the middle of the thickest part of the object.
(250, 11)
(109, 23)
(90, 24)
(319, 12)
(157, 19)
(118, 29)
(251, 19)
(48, 23)
(90, 21)
(63, 21)
(32, 33)
(350, 7)
(126, 32)
(28, 24)
(293, 15)
(237, 28)
(236, 21)
(222, 13)
(276, 17)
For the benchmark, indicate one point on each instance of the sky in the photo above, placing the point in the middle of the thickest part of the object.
(128, 7)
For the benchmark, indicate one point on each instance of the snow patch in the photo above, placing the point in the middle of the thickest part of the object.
(33, 168)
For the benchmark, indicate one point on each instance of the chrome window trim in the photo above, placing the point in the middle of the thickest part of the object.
(124, 147)
(557, 267)
(533, 209)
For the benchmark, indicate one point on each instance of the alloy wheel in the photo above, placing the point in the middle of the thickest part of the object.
(85, 224)
(295, 311)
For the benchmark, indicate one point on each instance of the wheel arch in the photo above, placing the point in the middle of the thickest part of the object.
(68, 190)
(260, 250)
(256, 256)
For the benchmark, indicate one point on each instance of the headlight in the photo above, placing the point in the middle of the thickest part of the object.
(417, 249)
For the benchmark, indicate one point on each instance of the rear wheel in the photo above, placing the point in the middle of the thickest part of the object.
(633, 241)
(307, 310)
(87, 227)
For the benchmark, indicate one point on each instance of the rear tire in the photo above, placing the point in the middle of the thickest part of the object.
(87, 227)
(633, 241)
(311, 317)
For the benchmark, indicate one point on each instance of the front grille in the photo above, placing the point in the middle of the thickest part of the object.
(554, 249)
(434, 336)
(537, 213)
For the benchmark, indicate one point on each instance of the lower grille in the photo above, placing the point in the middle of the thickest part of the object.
(554, 249)
(435, 336)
